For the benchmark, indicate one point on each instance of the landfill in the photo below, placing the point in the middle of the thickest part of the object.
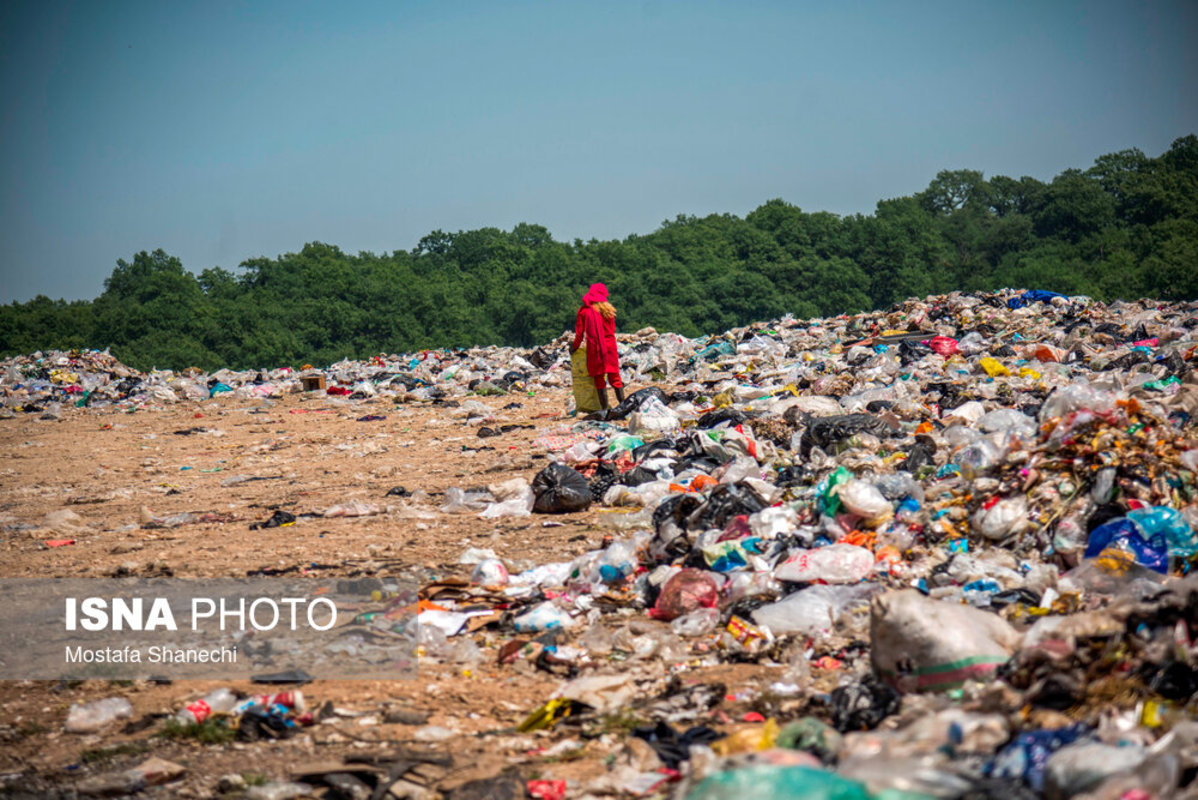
(943, 550)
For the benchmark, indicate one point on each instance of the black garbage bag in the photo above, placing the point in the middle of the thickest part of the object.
(700, 462)
(952, 395)
(910, 351)
(637, 476)
(720, 415)
(920, 454)
(541, 358)
(827, 431)
(263, 723)
(605, 477)
(862, 706)
(669, 518)
(127, 386)
(1176, 364)
(635, 400)
(793, 475)
(726, 501)
(661, 447)
(277, 520)
(560, 490)
(1127, 361)
(405, 380)
(673, 747)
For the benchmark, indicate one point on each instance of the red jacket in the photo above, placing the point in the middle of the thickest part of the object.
(599, 332)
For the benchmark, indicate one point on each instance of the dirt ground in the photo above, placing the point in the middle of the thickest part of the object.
(115, 467)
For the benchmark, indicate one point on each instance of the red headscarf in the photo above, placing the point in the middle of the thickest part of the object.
(596, 294)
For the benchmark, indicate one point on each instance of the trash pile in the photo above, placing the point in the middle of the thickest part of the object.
(953, 543)
(958, 534)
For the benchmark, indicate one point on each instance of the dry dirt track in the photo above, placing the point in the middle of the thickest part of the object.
(114, 468)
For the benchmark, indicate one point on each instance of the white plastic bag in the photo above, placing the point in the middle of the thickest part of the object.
(864, 499)
(836, 563)
(810, 610)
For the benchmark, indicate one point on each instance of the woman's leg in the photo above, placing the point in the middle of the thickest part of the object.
(601, 388)
(614, 379)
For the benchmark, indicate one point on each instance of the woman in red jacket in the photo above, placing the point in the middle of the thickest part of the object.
(596, 322)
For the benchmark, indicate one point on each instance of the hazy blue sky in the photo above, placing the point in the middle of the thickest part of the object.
(220, 131)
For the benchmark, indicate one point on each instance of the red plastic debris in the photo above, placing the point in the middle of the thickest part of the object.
(547, 790)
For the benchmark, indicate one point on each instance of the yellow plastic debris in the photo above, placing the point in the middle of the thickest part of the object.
(748, 740)
(723, 399)
(547, 715)
(993, 367)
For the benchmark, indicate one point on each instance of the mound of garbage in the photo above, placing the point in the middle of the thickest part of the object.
(959, 533)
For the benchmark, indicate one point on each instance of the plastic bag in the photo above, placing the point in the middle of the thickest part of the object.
(943, 345)
(863, 705)
(615, 564)
(684, 592)
(810, 610)
(1121, 539)
(91, 717)
(518, 506)
(828, 499)
(836, 563)
(864, 499)
(652, 416)
(699, 622)
(1081, 766)
(827, 431)
(1027, 756)
(586, 396)
(1076, 397)
(1169, 524)
(773, 781)
(458, 500)
(542, 617)
(637, 401)
(993, 367)
(490, 572)
(1002, 519)
(560, 489)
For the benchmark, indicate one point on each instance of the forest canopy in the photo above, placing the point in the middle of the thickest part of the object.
(1127, 227)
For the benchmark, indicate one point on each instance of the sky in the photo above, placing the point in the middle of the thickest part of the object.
(222, 131)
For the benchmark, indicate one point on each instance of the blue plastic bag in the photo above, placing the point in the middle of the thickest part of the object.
(1123, 534)
(1032, 296)
(1027, 755)
(1168, 523)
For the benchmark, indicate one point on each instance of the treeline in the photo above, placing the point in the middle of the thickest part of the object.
(1126, 227)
